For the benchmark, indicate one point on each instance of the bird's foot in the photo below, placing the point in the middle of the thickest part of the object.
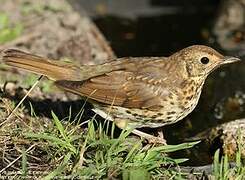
(150, 138)
(157, 140)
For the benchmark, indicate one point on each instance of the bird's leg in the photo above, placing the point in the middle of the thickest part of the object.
(150, 138)
(122, 124)
(160, 133)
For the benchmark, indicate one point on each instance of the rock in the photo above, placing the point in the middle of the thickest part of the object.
(227, 137)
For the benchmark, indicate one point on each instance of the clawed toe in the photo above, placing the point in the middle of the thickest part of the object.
(157, 140)
(150, 138)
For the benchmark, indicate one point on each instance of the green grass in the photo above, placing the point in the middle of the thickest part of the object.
(28, 8)
(64, 149)
(29, 79)
(95, 155)
(8, 31)
(225, 170)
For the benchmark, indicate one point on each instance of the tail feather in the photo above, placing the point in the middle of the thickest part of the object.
(57, 70)
(54, 70)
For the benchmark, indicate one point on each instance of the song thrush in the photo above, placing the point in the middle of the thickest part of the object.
(133, 92)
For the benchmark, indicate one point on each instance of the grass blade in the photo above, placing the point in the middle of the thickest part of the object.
(60, 169)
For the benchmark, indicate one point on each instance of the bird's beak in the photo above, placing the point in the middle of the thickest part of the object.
(230, 59)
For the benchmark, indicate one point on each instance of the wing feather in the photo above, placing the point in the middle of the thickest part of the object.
(118, 88)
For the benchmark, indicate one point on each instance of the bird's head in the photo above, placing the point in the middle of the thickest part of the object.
(201, 60)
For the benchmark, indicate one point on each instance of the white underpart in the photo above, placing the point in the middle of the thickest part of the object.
(103, 114)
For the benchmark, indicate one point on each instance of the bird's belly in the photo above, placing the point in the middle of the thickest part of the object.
(147, 118)
(171, 111)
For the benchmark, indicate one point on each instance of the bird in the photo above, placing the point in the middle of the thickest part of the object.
(134, 92)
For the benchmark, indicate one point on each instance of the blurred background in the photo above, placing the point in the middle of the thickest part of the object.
(151, 27)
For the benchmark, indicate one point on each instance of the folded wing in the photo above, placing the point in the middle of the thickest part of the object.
(120, 88)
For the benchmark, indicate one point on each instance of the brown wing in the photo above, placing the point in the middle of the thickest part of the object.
(120, 88)
(128, 82)
(57, 70)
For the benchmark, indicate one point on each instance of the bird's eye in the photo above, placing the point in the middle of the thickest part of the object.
(204, 60)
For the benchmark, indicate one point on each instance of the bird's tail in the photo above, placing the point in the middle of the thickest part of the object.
(54, 70)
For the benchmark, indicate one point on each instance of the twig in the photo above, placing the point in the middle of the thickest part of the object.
(21, 101)
(10, 164)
